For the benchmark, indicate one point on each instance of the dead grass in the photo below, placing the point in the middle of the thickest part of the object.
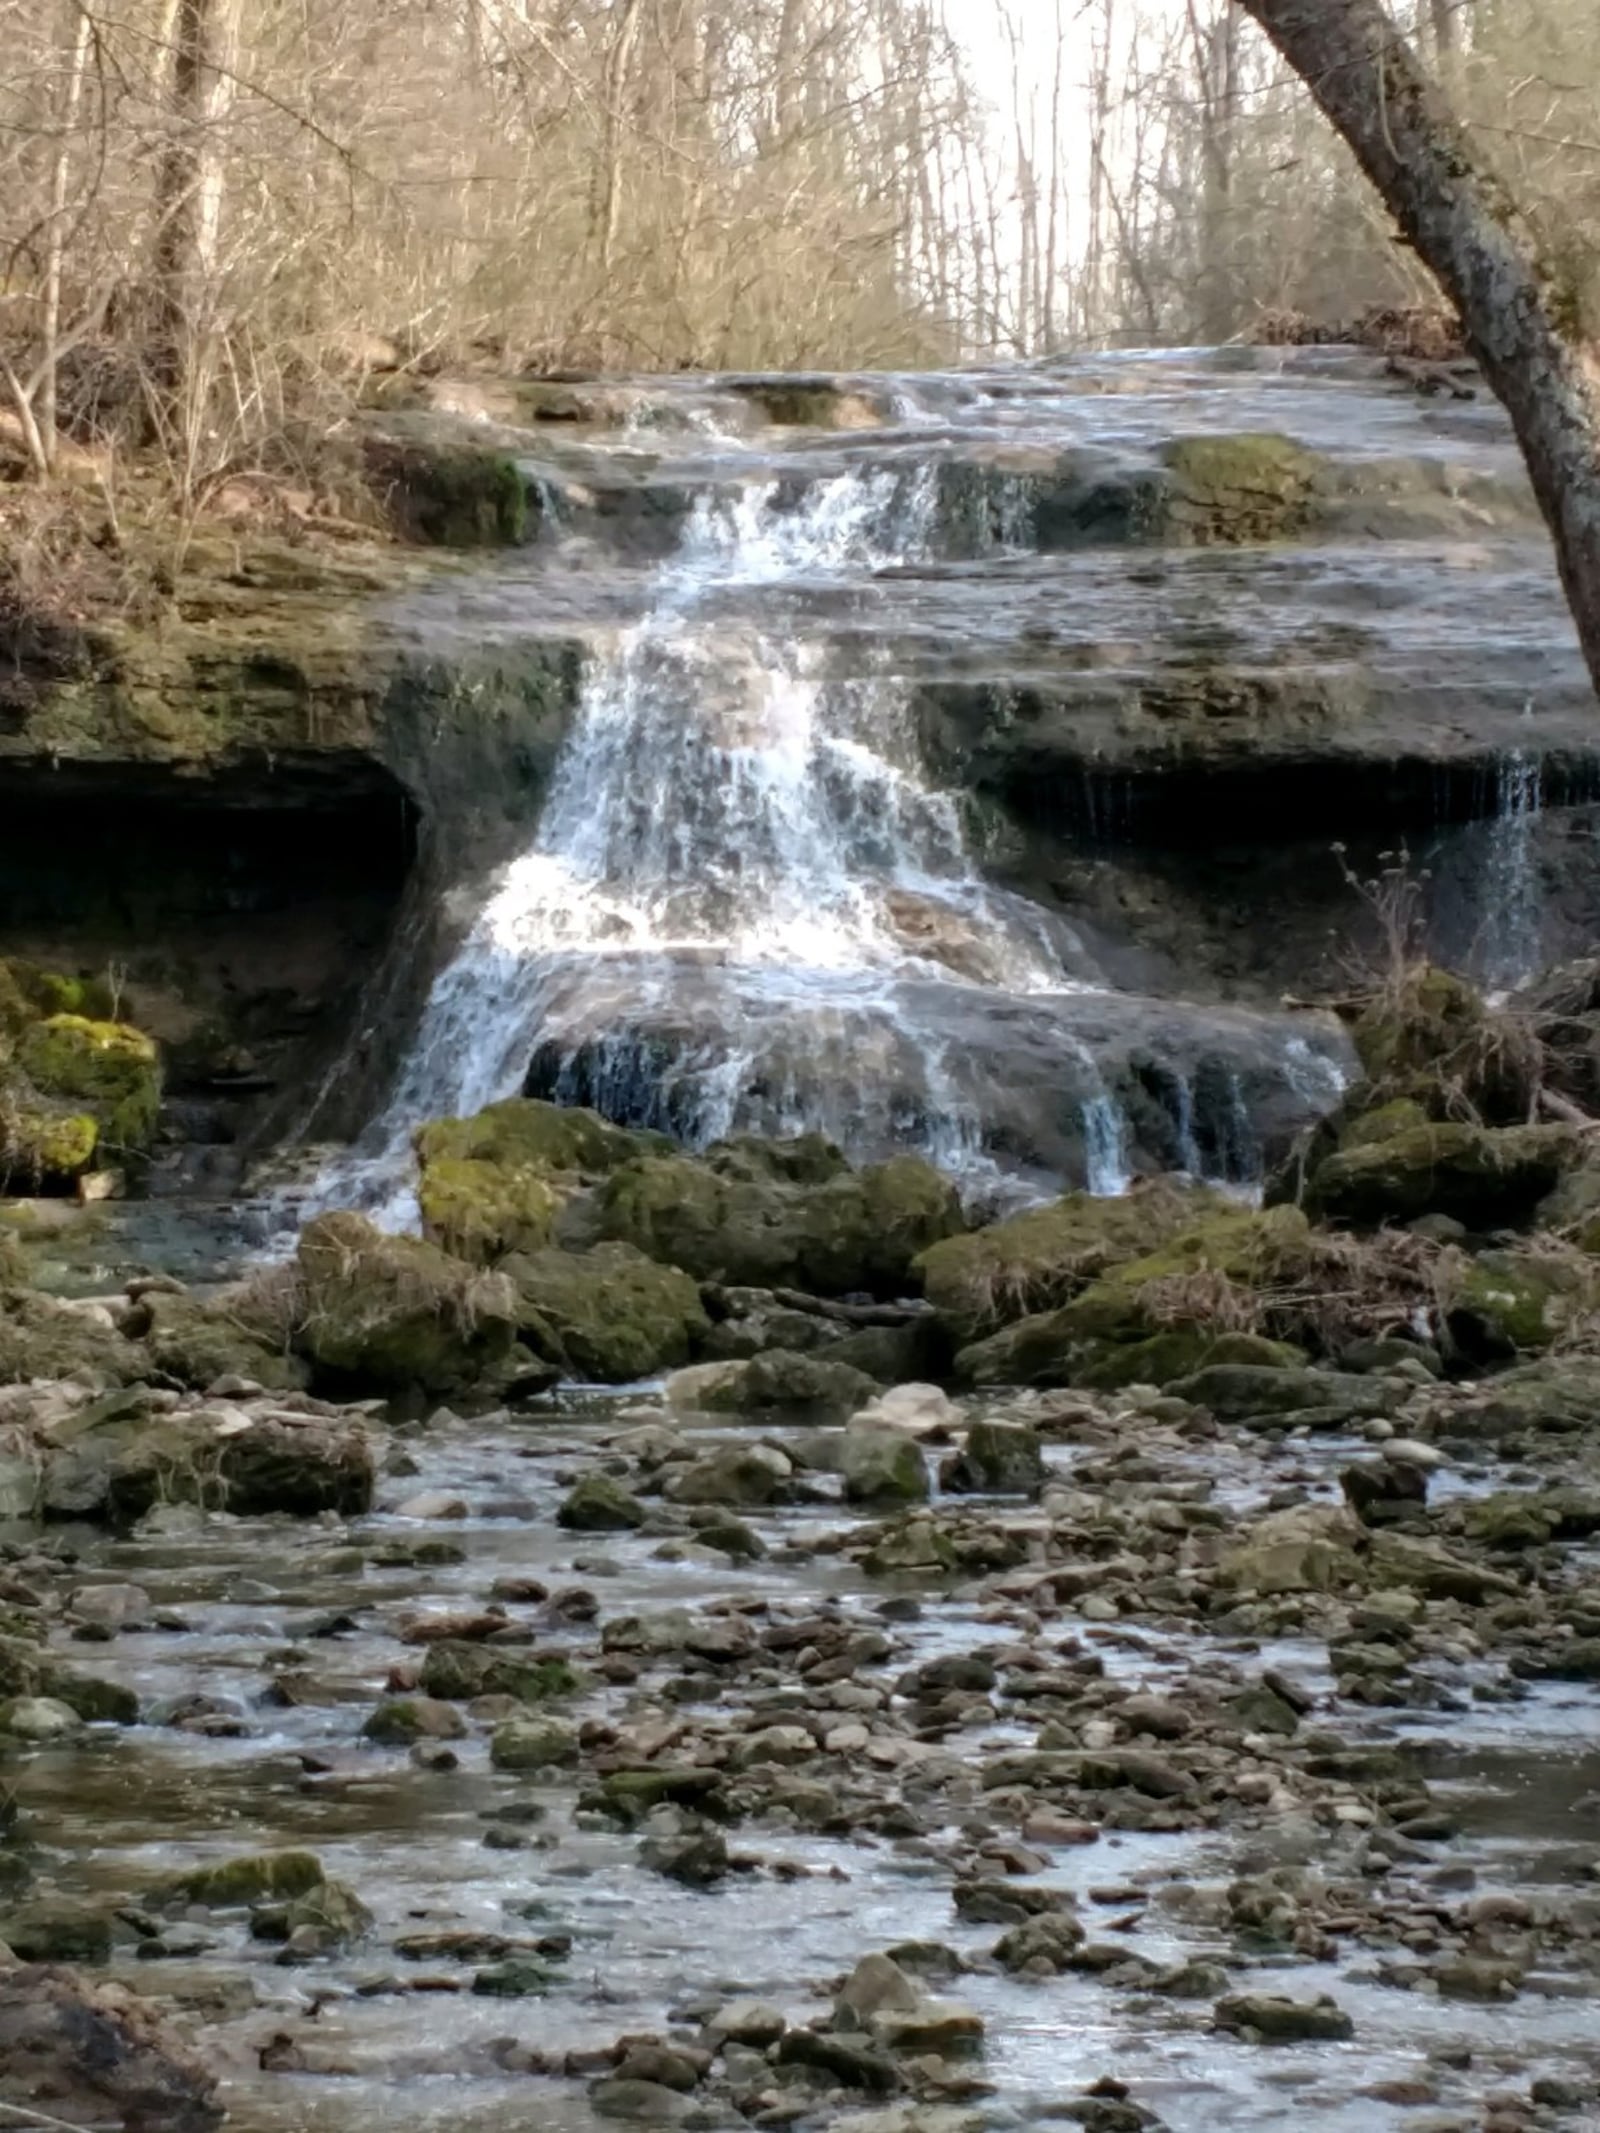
(1354, 1288)
(1421, 333)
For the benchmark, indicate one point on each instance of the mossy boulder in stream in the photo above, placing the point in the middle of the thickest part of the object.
(609, 1314)
(42, 1149)
(1505, 1304)
(1040, 1258)
(255, 1877)
(381, 1313)
(1433, 1038)
(728, 1218)
(457, 1672)
(496, 1183)
(1488, 1177)
(199, 1342)
(480, 1210)
(1185, 1295)
(303, 1465)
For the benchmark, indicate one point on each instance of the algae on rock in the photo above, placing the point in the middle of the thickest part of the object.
(1187, 1293)
(608, 1314)
(725, 1218)
(496, 1182)
(392, 1312)
(1035, 1260)
(112, 1070)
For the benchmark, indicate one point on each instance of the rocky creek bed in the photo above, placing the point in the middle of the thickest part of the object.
(1250, 1809)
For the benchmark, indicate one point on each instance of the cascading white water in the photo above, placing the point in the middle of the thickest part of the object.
(739, 870)
(1513, 901)
(1105, 1148)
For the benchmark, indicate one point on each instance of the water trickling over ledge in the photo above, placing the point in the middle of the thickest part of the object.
(748, 906)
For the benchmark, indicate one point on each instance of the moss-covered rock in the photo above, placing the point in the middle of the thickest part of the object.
(1189, 1286)
(479, 1211)
(109, 1070)
(56, 1929)
(401, 1720)
(1162, 1359)
(750, 1226)
(302, 1466)
(557, 1140)
(95, 1701)
(1508, 1303)
(1488, 1177)
(882, 1467)
(1246, 1392)
(782, 1380)
(609, 1314)
(1434, 1038)
(996, 1459)
(42, 1148)
(496, 1182)
(382, 1313)
(458, 1671)
(257, 1877)
(29, 992)
(449, 493)
(598, 1504)
(1033, 1261)
(1225, 491)
(1366, 1128)
(747, 1476)
(198, 1342)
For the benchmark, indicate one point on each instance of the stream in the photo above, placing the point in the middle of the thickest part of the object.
(290, 1631)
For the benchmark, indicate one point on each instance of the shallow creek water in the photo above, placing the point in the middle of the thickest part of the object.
(116, 1810)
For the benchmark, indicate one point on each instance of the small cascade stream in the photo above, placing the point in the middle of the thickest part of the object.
(1513, 900)
(744, 893)
(786, 874)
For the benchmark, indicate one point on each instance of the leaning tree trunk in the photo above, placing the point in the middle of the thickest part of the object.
(1521, 314)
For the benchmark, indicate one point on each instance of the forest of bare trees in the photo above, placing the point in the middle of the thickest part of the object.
(214, 212)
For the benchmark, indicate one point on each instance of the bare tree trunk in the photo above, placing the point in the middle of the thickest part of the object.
(55, 243)
(1052, 235)
(1216, 59)
(189, 189)
(1521, 314)
(608, 205)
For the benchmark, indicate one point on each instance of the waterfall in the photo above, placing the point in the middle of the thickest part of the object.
(1105, 1147)
(739, 871)
(1513, 900)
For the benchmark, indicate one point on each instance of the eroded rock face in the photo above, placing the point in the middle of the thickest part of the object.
(89, 2054)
